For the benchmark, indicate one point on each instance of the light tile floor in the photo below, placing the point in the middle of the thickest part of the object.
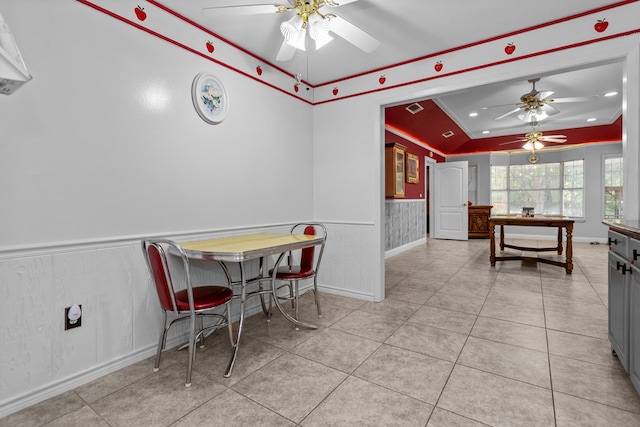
(455, 343)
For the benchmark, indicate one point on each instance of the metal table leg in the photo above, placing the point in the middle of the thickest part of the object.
(243, 297)
(274, 291)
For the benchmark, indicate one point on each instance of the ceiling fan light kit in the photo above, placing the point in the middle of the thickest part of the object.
(308, 20)
(533, 115)
(295, 30)
(533, 145)
(319, 30)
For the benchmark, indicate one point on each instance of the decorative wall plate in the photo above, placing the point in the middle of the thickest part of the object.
(209, 98)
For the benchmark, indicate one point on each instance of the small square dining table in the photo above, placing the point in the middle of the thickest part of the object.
(243, 248)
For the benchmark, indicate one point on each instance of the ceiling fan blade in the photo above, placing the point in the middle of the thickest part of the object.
(543, 95)
(554, 136)
(515, 110)
(545, 139)
(575, 99)
(500, 106)
(353, 34)
(513, 142)
(286, 52)
(341, 2)
(241, 10)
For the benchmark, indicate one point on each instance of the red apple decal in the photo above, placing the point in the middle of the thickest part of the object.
(259, 70)
(601, 25)
(382, 79)
(296, 87)
(438, 66)
(335, 90)
(140, 13)
(210, 46)
(510, 48)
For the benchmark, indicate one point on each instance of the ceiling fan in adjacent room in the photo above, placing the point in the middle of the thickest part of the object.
(536, 105)
(533, 141)
(308, 19)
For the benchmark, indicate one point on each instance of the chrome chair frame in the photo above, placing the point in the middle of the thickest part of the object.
(293, 284)
(223, 319)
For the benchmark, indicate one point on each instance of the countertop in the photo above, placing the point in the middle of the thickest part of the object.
(624, 225)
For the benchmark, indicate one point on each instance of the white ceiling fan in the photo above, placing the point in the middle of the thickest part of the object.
(536, 105)
(307, 19)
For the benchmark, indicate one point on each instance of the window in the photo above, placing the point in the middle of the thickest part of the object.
(551, 188)
(572, 189)
(613, 188)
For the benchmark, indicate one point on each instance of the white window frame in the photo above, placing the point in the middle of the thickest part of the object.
(561, 188)
(605, 157)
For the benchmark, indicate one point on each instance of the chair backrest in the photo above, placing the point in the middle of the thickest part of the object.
(306, 259)
(159, 269)
(307, 256)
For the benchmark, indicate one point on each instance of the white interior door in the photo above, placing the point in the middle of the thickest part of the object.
(450, 200)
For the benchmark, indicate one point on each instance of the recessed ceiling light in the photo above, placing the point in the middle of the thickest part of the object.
(591, 119)
(611, 93)
(474, 114)
(484, 132)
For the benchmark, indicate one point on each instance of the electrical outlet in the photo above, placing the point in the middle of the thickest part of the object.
(73, 317)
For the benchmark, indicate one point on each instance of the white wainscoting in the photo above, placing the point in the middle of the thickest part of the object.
(121, 318)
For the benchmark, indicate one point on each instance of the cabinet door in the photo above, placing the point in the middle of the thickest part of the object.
(399, 155)
(634, 329)
(619, 307)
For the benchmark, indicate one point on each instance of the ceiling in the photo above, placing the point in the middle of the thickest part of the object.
(451, 112)
(410, 29)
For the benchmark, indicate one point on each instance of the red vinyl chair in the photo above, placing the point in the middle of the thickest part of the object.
(306, 269)
(186, 302)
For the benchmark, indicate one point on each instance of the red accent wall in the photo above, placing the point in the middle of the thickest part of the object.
(414, 191)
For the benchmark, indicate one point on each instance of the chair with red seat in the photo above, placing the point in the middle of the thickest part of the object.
(186, 302)
(305, 269)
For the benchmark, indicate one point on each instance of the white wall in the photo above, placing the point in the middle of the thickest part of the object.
(89, 162)
(348, 187)
(105, 140)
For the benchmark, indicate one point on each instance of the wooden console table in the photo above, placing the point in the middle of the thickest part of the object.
(558, 222)
(479, 221)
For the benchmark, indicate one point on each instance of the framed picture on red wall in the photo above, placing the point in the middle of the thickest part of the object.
(413, 168)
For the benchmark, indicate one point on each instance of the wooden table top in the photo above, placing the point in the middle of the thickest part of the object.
(536, 220)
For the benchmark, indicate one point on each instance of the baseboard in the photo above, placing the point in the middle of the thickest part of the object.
(403, 248)
(342, 292)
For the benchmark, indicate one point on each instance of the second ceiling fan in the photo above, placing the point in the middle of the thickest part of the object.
(536, 105)
(308, 19)
(534, 140)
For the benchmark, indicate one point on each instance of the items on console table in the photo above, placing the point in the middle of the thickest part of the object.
(624, 295)
(559, 222)
(479, 221)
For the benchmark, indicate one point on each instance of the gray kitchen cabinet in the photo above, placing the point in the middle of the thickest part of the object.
(624, 296)
(634, 326)
(619, 307)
